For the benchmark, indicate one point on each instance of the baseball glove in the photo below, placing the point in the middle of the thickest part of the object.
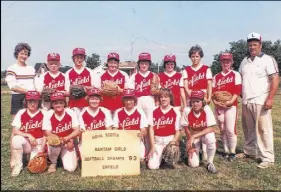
(110, 88)
(38, 164)
(46, 93)
(222, 97)
(54, 140)
(77, 91)
(171, 154)
(154, 86)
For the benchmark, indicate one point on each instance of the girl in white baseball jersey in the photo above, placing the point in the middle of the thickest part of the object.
(165, 128)
(28, 134)
(227, 80)
(131, 117)
(172, 80)
(198, 122)
(79, 75)
(141, 81)
(53, 79)
(198, 77)
(113, 73)
(94, 117)
(62, 122)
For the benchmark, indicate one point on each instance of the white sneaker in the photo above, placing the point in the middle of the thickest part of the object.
(264, 165)
(16, 170)
(52, 168)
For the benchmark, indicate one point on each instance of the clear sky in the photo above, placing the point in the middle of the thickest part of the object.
(155, 27)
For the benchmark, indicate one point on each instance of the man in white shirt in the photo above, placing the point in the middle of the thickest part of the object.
(259, 86)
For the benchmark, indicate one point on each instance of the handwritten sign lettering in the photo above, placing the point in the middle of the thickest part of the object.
(110, 153)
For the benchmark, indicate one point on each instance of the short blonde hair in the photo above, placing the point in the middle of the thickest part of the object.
(168, 93)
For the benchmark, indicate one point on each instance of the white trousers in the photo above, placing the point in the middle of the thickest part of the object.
(147, 104)
(69, 158)
(159, 144)
(210, 140)
(20, 142)
(227, 122)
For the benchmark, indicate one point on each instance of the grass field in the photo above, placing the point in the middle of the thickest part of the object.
(232, 175)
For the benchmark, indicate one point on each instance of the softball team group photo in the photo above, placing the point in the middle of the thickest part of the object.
(50, 112)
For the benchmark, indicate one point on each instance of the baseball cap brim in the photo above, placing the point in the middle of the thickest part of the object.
(94, 94)
(253, 39)
(114, 58)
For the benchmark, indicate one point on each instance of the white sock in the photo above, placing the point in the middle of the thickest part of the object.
(232, 144)
(211, 151)
(224, 142)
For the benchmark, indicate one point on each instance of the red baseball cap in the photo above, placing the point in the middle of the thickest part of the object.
(129, 93)
(32, 95)
(57, 96)
(170, 58)
(145, 57)
(78, 51)
(197, 94)
(113, 56)
(94, 91)
(226, 56)
(53, 57)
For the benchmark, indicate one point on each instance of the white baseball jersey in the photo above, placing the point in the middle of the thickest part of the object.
(197, 77)
(230, 82)
(49, 80)
(97, 120)
(130, 120)
(83, 76)
(166, 122)
(60, 125)
(29, 123)
(198, 122)
(141, 83)
(121, 78)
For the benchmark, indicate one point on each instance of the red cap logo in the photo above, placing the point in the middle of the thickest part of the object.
(113, 56)
(170, 58)
(145, 57)
(32, 95)
(129, 93)
(197, 94)
(94, 91)
(57, 96)
(226, 56)
(53, 57)
(78, 51)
